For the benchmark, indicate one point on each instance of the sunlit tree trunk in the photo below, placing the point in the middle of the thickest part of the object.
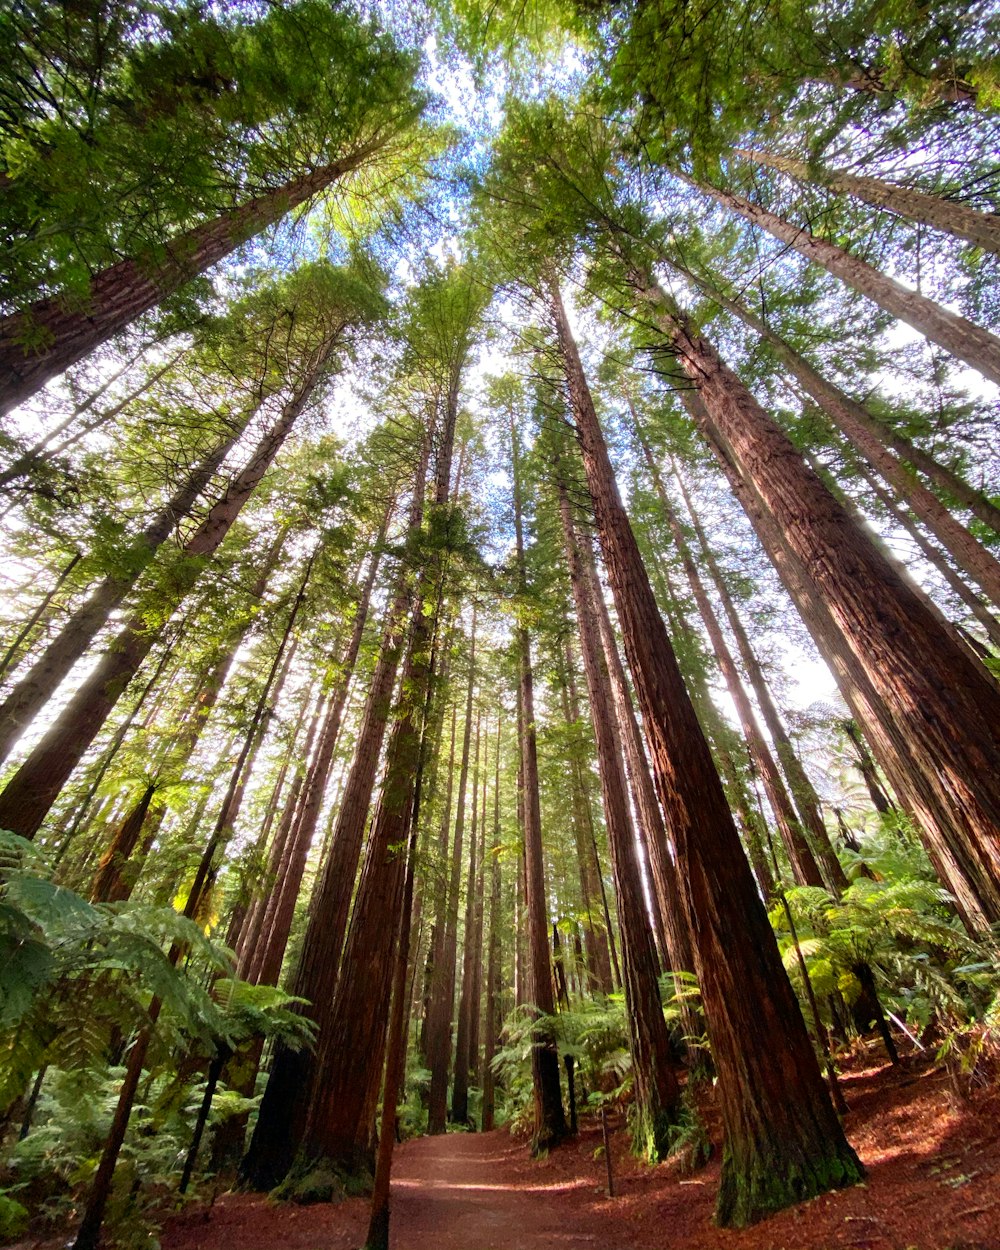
(442, 1004)
(957, 335)
(657, 1092)
(783, 1139)
(949, 216)
(550, 1122)
(939, 702)
(71, 328)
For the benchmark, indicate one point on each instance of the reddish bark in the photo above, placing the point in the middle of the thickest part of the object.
(942, 707)
(31, 791)
(950, 216)
(783, 1139)
(66, 331)
(657, 1092)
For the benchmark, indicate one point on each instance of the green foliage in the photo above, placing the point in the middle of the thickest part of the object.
(927, 969)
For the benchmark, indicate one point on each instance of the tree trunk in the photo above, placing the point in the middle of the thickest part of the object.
(805, 869)
(443, 981)
(71, 329)
(664, 873)
(657, 1093)
(36, 616)
(493, 970)
(344, 1093)
(964, 340)
(550, 1122)
(961, 222)
(803, 790)
(783, 1140)
(941, 703)
(282, 1117)
(935, 558)
(595, 936)
(37, 686)
(854, 419)
(463, 1050)
(30, 793)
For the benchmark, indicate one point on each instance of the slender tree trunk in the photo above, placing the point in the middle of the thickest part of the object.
(595, 934)
(964, 340)
(460, 1086)
(944, 705)
(443, 983)
(935, 558)
(30, 793)
(783, 1139)
(657, 1093)
(804, 866)
(276, 923)
(854, 419)
(476, 1004)
(961, 222)
(493, 970)
(343, 1093)
(340, 1122)
(37, 686)
(803, 790)
(36, 616)
(71, 329)
(664, 873)
(550, 1122)
(281, 1121)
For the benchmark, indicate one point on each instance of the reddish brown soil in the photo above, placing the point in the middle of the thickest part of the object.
(933, 1164)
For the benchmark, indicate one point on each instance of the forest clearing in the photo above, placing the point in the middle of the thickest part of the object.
(499, 638)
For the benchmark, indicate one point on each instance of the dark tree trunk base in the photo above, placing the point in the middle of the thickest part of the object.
(757, 1183)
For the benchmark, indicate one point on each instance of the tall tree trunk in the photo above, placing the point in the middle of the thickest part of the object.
(854, 419)
(964, 340)
(961, 222)
(938, 700)
(803, 790)
(10, 654)
(550, 1122)
(37, 686)
(783, 1140)
(282, 1116)
(595, 935)
(442, 1004)
(493, 970)
(30, 793)
(664, 873)
(804, 866)
(476, 995)
(343, 1093)
(934, 557)
(342, 1099)
(657, 1093)
(72, 328)
(460, 1086)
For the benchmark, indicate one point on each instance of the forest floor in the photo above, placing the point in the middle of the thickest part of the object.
(933, 1164)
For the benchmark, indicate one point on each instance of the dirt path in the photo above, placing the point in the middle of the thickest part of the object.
(463, 1191)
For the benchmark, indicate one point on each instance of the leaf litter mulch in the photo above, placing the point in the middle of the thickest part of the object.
(933, 1162)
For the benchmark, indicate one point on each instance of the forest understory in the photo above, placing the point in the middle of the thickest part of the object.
(931, 1151)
